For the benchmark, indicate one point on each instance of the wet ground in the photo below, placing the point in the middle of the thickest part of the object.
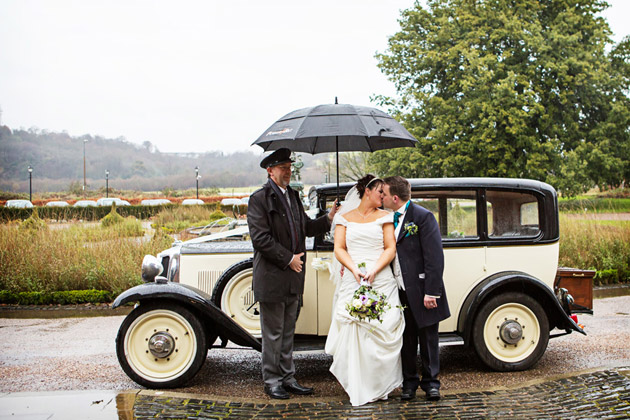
(61, 354)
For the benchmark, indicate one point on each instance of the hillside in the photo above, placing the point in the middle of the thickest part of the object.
(57, 161)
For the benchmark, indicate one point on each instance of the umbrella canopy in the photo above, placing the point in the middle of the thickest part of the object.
(335, 128)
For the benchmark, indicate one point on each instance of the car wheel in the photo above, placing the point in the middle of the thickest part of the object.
(510, 332)
(161, 346)
(233, 293)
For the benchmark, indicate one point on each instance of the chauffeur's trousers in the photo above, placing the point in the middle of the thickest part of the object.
(277, 322)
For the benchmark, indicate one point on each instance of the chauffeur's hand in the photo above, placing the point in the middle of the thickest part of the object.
(296, 263)
(333, 211)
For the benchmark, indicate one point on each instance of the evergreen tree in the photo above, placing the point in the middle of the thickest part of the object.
(511, 88)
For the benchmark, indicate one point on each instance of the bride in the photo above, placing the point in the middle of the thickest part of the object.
(366, 354)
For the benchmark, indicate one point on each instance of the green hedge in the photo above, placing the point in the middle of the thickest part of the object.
(8, 214)
(597, 205)
(70, 297)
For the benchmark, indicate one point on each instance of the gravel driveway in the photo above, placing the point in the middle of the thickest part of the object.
(79, 354)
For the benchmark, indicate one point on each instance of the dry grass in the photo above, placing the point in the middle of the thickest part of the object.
(602, 245)
(87, 256)
(78, 258)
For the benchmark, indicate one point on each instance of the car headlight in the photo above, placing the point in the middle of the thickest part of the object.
(173, 269)
(151, 267)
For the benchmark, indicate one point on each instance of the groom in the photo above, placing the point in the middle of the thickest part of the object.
(420, 262)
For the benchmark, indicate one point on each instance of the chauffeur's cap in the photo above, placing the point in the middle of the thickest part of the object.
(276, 158)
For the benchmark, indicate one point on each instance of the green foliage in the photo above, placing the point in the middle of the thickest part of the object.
(170, 192)
(81, 257)
(75, 188)
(510, 89)
(9, 195)
(33, 222)
(113, 218)
(70, 297)
(216, 215)
(177, 219)
(601, 245)
(79, 213)
(128, 227)
(597, 205)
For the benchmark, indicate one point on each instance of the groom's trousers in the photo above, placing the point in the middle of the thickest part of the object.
(429, 341)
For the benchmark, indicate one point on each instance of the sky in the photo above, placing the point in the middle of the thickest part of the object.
(195, 75)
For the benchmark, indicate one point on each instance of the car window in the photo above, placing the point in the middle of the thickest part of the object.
(454, 210)
(512, 214)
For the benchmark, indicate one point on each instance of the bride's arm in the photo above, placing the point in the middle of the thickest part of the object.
(341, 252)
(389, 243)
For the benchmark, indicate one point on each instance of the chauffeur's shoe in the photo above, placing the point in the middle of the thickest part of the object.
(408, 394)
(298, 389)
(277, 391)
(433, 394)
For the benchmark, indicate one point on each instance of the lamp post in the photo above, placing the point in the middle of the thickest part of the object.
(84, 141)
(106, 183)
(30, 183)
(197, 176)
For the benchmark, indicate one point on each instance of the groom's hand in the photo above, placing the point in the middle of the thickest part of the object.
(296, 263)
(430, 303)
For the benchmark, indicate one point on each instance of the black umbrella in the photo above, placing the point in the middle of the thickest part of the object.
(335, 128)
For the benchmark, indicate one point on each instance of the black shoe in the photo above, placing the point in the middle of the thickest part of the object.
(433, 394)
(277, 392)
(408, 394)
(298, 389)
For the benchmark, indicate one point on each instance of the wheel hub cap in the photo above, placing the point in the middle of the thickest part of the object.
(511, 332)
(161, 344)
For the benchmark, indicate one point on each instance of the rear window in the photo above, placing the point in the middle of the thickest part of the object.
(512, 214)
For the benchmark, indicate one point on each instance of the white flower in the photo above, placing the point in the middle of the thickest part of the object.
(357, 303)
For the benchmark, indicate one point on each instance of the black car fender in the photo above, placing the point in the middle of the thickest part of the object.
(194, 299)
(513, 281)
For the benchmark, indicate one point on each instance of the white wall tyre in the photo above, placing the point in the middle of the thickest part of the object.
(161, 346)
(510, 332)
(233, 293)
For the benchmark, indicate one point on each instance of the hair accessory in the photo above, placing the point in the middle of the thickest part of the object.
(373, 180)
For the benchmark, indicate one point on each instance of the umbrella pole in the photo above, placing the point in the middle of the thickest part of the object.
(337, 152)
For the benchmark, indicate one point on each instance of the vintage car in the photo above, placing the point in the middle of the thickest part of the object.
(500, 239)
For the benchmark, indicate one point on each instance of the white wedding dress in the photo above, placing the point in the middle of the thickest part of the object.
(366, 354)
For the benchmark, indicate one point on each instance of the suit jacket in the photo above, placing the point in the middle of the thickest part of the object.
(269, 228)
(421, 261)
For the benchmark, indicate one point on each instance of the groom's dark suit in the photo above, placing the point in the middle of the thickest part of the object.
(421, 264)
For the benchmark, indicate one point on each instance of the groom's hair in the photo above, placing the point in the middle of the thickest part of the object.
(398, 186)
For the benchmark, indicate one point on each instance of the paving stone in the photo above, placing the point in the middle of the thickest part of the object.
(604, 394)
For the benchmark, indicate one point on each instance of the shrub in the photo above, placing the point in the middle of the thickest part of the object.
(78, 258)
(33, 222)
(113, 218)
(74, 297)
(601, 245)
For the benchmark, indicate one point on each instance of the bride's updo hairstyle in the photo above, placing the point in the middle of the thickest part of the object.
(370, 182)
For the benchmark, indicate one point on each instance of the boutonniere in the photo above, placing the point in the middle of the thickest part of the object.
(410, 229)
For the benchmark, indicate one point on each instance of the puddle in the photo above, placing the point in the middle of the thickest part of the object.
(95, 405)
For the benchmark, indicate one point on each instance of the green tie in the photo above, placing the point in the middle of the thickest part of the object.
(396, 217)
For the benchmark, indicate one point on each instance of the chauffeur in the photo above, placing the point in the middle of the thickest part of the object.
(278, 227)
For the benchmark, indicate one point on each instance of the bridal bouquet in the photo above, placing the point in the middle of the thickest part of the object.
(367, 303)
